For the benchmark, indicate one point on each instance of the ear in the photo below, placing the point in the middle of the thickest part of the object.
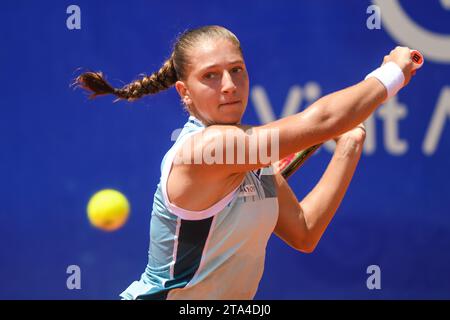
(183, 92)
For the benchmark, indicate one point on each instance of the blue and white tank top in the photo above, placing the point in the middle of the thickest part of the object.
(217, 253)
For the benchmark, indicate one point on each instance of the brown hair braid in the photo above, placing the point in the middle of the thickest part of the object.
(173, 69)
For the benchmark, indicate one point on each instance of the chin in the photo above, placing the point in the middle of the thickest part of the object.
(231, 118)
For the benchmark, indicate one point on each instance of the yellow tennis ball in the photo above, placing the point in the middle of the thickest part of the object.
(108, 210)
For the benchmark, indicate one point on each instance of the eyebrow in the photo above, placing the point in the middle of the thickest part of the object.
(216, 65)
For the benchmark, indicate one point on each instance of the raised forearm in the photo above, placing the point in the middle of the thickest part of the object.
(320, 205)
(347, 108)
(329, 117)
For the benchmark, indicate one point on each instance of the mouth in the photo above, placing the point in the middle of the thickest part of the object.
(230, 103)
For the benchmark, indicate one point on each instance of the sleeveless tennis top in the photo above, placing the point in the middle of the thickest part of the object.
(217, 253)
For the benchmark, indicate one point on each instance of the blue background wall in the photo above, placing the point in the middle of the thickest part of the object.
(58, 148)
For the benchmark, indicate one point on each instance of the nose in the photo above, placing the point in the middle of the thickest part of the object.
(228, 85)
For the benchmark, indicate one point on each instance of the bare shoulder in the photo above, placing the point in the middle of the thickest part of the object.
(206, 150)
(191, 188)
(199, 178)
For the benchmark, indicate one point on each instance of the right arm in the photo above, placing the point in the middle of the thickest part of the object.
(325, 119)
(329, 116)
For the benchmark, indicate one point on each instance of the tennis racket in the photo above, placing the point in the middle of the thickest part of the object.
(288, 165)
(417, 59)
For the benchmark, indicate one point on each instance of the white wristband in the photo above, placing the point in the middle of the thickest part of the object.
(391, 76)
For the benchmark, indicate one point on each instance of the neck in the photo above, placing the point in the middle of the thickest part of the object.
(207, 123)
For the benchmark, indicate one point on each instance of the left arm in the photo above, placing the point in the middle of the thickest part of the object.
(301, 224)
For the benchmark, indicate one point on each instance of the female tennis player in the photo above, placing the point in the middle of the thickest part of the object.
(211, 221)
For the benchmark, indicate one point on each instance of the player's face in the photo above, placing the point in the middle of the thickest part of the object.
(217, 84)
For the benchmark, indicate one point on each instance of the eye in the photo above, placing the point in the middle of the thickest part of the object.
(236, 69)
(210, 75)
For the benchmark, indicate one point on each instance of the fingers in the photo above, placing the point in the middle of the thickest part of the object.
(361, 126)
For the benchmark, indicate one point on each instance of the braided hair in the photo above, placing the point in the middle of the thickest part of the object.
(172, 70)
